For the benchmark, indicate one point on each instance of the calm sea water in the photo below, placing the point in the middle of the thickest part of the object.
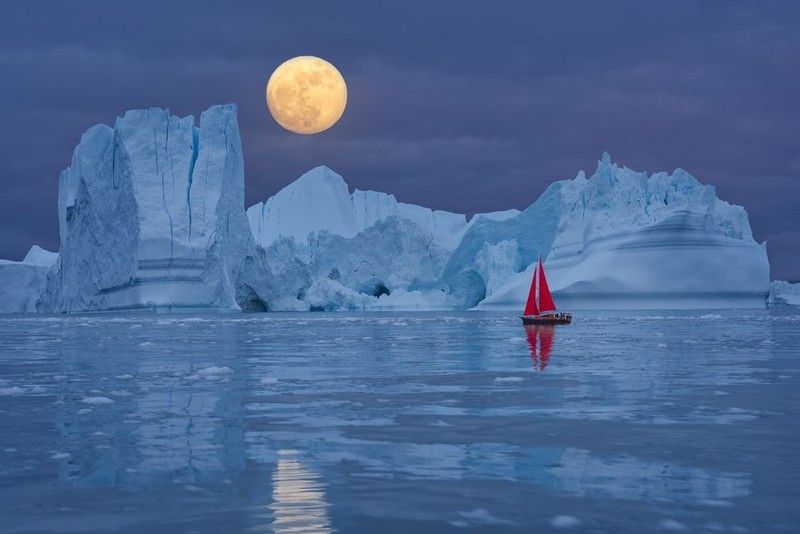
(427, 422)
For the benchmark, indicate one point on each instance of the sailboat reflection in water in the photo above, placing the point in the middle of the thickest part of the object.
(545, 334)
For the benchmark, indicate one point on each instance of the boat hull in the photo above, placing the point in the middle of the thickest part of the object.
(560, 318)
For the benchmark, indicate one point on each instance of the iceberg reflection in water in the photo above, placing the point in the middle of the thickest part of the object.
(406, 422)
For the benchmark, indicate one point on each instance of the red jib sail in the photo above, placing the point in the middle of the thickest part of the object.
(530, 307)
(546, 303)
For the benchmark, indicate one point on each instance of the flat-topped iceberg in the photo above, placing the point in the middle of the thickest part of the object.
(151, 215)
(626, 240)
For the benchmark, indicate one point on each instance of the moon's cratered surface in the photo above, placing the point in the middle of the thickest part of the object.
(306, 95)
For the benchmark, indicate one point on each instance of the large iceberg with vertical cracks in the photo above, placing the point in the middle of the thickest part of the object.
(151, 215)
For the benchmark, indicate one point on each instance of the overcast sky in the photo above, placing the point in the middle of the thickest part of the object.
(460, 105)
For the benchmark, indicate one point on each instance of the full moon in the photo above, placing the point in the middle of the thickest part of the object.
(306, 95)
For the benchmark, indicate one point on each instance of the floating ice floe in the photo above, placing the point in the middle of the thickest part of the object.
(97, 400)
(505, 379)
(479, 516)
(565, 521)
(671, 524)
(212, 373)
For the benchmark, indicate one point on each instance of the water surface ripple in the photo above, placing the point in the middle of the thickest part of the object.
(437, 422)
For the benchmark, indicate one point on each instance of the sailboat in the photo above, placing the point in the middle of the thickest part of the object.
(540, 308)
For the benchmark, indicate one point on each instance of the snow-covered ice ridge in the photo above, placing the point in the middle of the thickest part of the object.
(152, 215)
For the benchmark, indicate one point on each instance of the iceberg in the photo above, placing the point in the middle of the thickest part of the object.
(784, 293)
(151, 215)
(320, 200)
(40, 257)
(510, 244)
(21, 282)
(330, 249)
(628, 240)
(618, 239)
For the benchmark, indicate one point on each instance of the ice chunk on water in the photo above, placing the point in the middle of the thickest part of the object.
(508, 379)
(479, 516)
(97, 400)
(565, 521)
(671, 524)
(215, 372)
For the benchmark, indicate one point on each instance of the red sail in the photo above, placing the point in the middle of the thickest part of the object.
(530, 307)
(546, 303)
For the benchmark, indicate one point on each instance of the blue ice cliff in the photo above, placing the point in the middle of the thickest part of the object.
(152, 215)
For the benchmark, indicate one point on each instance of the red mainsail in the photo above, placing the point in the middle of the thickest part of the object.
(546, 303)
(530, 307)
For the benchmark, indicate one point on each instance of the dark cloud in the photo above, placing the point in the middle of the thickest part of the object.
(462, 105)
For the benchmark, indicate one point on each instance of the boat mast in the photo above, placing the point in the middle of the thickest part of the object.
(538, 277)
